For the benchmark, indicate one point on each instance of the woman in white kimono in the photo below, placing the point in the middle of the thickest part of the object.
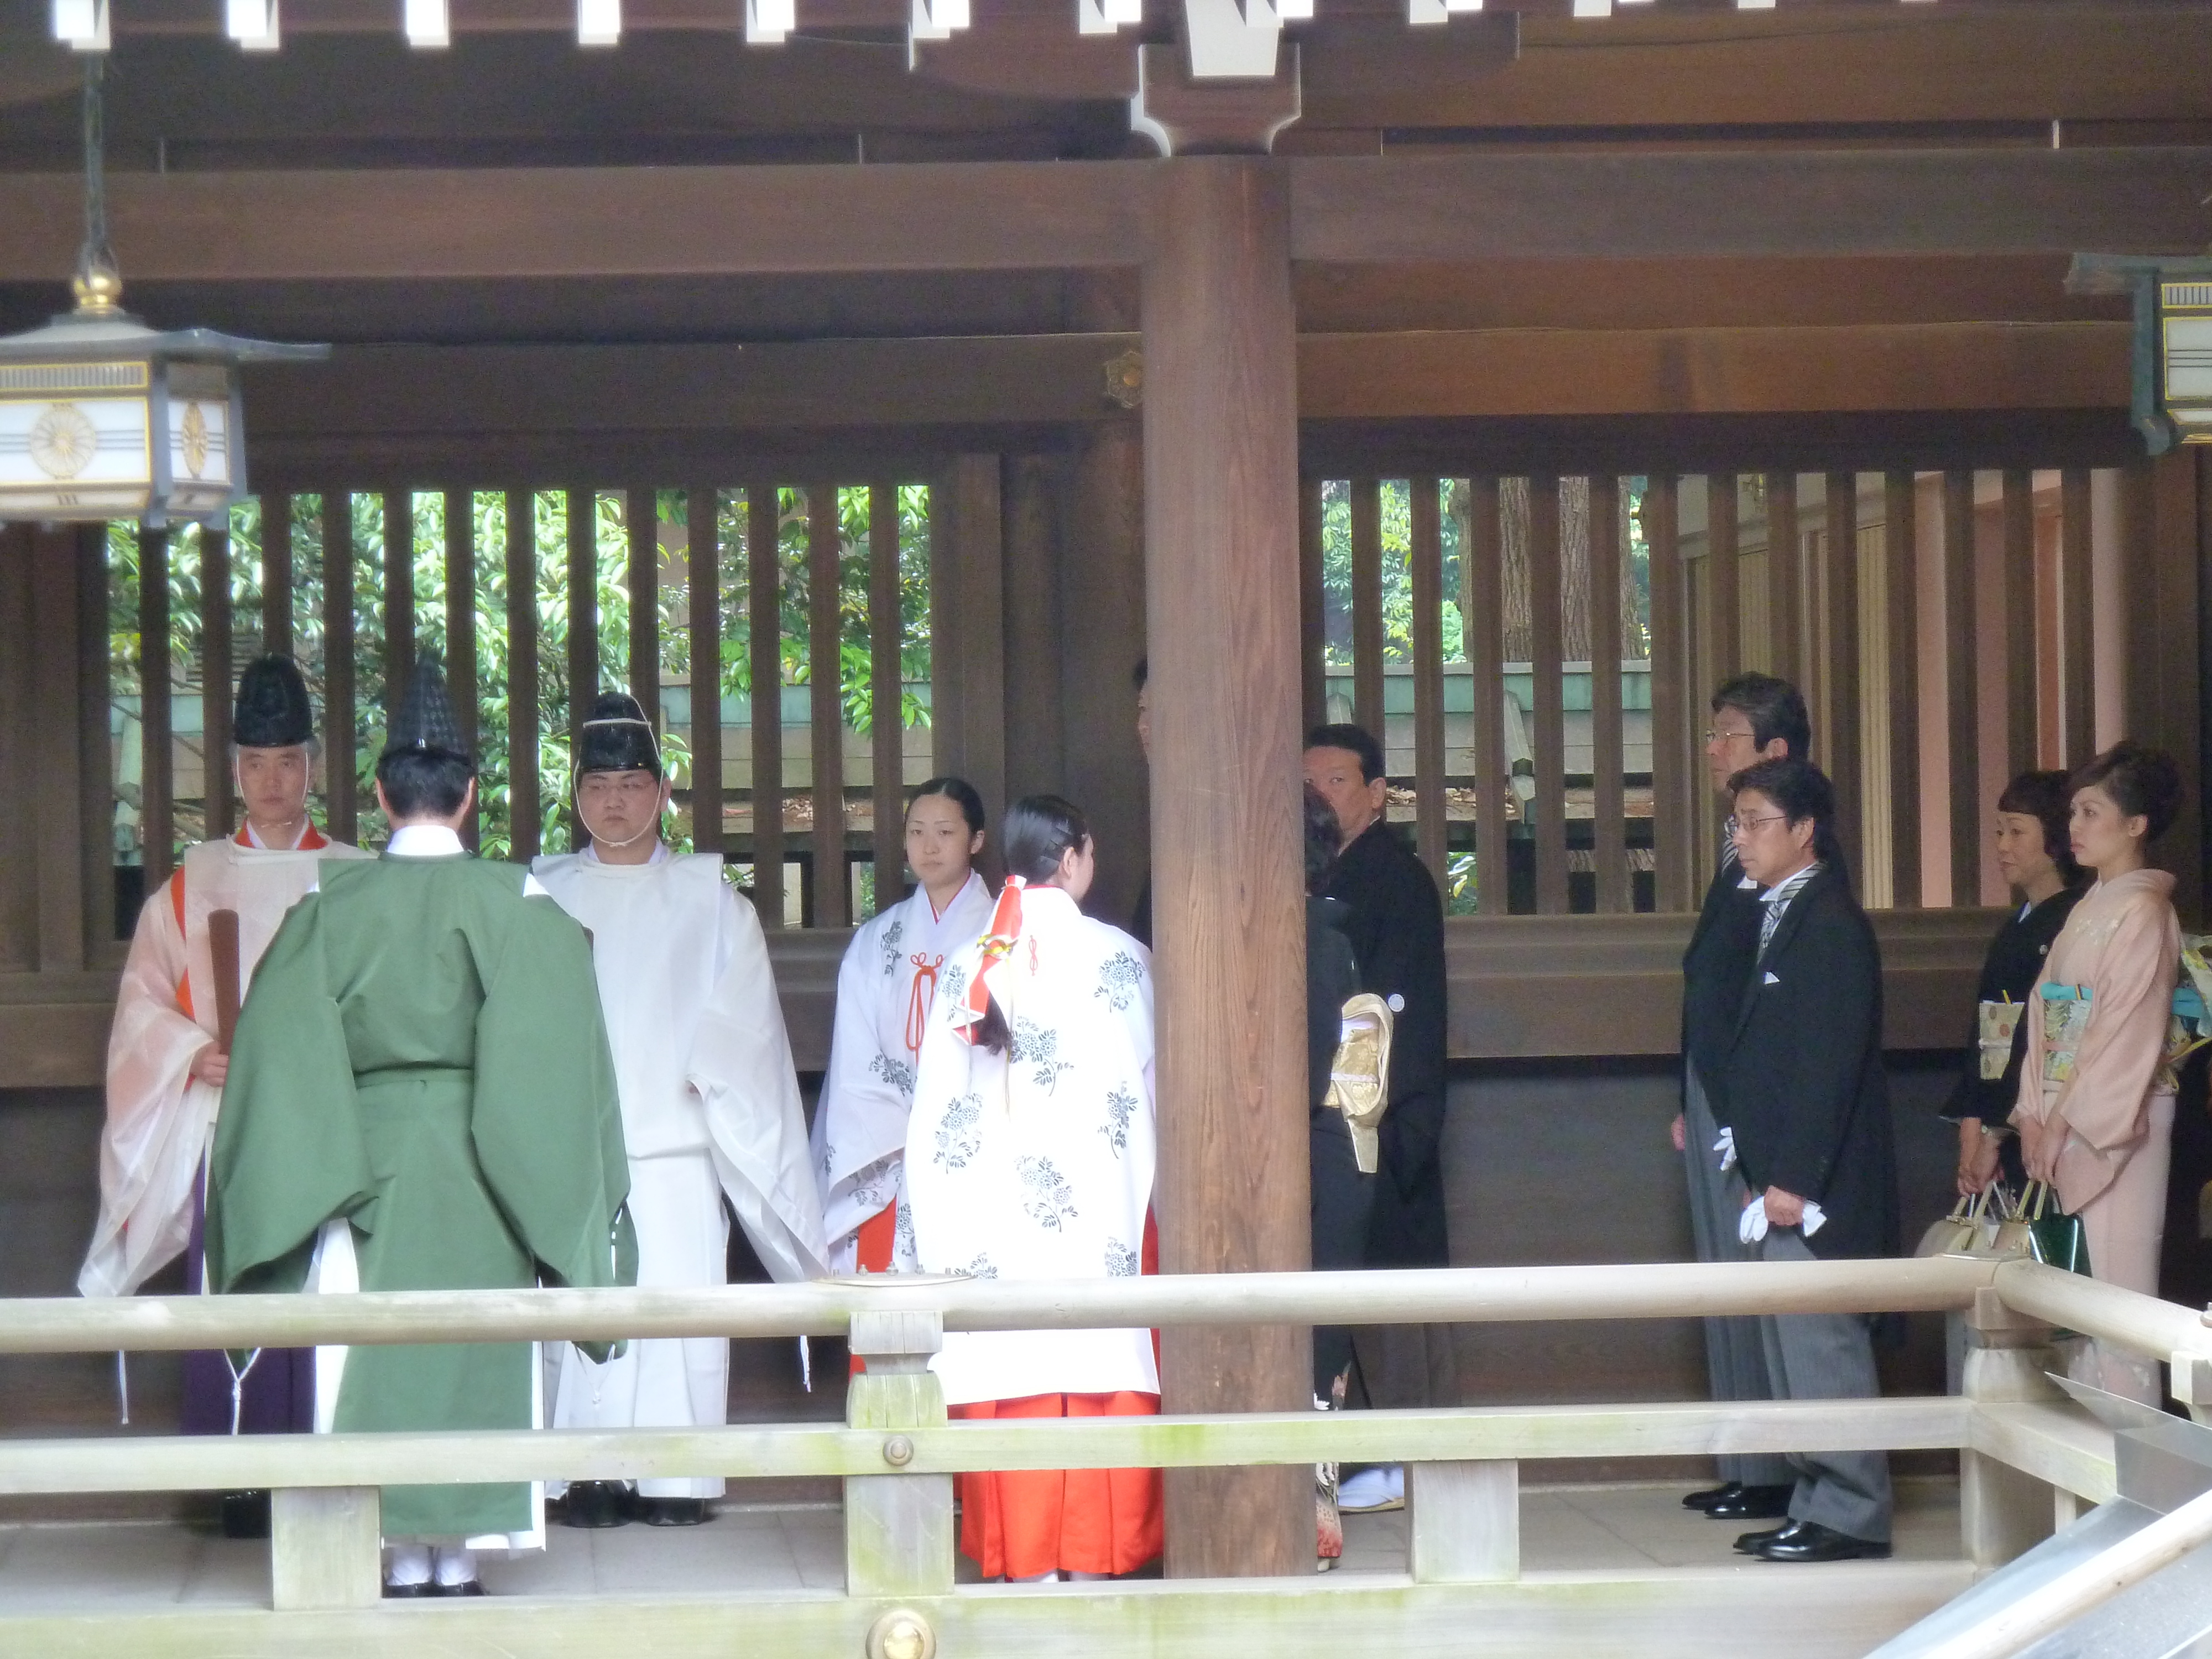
(886, 989)
(1030, 1154)
(2095, 1112)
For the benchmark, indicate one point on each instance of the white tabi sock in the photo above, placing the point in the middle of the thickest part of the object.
(409, 1565)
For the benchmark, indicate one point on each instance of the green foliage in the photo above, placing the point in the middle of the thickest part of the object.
(1397, 518)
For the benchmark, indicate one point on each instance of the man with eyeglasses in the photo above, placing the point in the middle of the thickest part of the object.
(1755, 717)
(710, 1105)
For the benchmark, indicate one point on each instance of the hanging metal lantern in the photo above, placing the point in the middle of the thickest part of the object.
(102, 417)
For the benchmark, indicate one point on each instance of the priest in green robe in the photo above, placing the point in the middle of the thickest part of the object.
(422, 1097)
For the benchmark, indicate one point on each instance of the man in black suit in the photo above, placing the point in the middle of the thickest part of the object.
(1395, 926)
(1754, 717)
(1806, 1105)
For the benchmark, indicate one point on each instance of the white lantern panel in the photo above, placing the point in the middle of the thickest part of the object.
(199, 443)
(76, 444)
(2189, 357)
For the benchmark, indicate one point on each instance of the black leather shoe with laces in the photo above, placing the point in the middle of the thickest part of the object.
(1811, 1541)
(1753, 1504)
(1708, 1497)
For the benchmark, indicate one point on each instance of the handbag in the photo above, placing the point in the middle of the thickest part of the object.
(2052, 1237)
(1957, 1233)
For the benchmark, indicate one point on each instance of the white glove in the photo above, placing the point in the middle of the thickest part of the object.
(1726, 1147)
(1750, 1227)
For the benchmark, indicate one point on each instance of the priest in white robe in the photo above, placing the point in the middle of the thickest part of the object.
(886, 989)
(710, 1102)
(1030, 1154)
(166, 1059)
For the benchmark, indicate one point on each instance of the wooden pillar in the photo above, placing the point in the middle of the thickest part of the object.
(22, 757)
(764, 634)
(1367, 692)
(1609, 825)
(1545, 635)
(1035, 763)
(461, 631)
(2077, 623)
(1312, 608)
(642, 523)
(1841, 740)
(583, 619)
(1900, 600)
(156, 761)
(1785, 604)
(60, 561)
(1222, 608)
(398, 596)
(886, 695)
(1674, 808)
(1428, 562)
(341, 787)
(1101, 634)
(524, 816)
(276, 574)
(216, 697)
(1482, 614)
(969, 661)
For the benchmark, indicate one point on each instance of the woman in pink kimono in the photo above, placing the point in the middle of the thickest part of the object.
(2095, 1114)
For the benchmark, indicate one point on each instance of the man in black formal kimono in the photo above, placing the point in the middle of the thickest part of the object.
(1755, 717)
(1395, 926)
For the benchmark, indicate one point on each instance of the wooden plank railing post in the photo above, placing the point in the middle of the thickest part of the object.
(1428, 561)
(2002, 1511)
(1546, 647)
(1609, 802)
(156, 762)
(1674, 811)
(1367, 692)
(1901, 600)
(1482, 616)
(340, 784)
(1962, 687)
(898, 1527)
(886, 695)
(523, 821)
(214, 682)
(826, 704)
(765, 622)
(461, 630)
(1841, 743)
(323, 1547)
(703, 564)
(1464, 1521)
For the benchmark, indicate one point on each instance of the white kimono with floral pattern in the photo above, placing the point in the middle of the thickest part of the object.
(1036, 1163)
(886, 987)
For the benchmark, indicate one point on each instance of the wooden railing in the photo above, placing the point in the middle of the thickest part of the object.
(2027, 1458)
(1595, 614)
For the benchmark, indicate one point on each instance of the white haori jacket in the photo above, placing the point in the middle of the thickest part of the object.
(1036, 1163)
(700, 1054)
(886, 987)
(160, 1118)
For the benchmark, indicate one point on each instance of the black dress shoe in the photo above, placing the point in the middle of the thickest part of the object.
(1751, 1542)
(1753, 1504)
(410, 1592)
(672, 1512)
(246, 1515)
(466, 1587)
(596, 1506)
(1712, 1495)
(1811, 1541)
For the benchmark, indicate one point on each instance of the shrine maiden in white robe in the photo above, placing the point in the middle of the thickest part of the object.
(886, 987)
(710, 1109)
(1036, 1163)
(160, 1117)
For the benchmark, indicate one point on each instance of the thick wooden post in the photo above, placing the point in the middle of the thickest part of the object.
(2002, 1511)
(1221, 522)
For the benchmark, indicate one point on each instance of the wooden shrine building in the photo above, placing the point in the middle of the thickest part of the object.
(1501, 378)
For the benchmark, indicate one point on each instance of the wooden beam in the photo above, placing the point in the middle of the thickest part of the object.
(1221, 482)
(541, 221)
(1599, 371)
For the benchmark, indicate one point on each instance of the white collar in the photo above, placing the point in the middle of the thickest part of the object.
(424, 841)
(591, 855)
(1787, 887)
